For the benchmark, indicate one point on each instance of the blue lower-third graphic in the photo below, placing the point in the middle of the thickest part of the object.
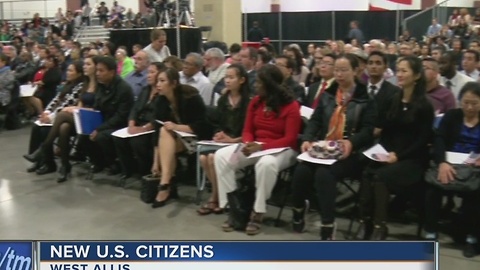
(16, 256)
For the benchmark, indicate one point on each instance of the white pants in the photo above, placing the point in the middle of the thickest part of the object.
(266, 171)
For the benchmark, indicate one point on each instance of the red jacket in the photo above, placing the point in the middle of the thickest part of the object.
(273, 131)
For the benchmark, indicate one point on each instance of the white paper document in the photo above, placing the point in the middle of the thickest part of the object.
(307, 158)
(377, 153)
(306, 112)
(40, 124)
(179, 133)
(268, 152)
(461, 158)
(27, 90)
(123, 133)
(213, 143)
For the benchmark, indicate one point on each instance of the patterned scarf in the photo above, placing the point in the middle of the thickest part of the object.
(336, 126)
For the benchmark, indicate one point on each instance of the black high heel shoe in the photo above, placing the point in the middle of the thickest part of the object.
(35, 156)
(172, 194)
(64, 172)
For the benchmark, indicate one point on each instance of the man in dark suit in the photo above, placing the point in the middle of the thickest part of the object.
(286, 65)
(326, 73)
(114, 99)
(379, 89)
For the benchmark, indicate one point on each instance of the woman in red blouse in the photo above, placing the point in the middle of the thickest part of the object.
(272, 121)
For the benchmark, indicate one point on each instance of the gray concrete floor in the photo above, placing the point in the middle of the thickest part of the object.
(36, 207)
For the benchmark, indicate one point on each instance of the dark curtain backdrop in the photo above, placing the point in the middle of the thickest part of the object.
(318, 25)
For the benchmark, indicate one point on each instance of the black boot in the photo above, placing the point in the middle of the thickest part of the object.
(64, 172)
(47, 168)
(298, 222)
(35, 156)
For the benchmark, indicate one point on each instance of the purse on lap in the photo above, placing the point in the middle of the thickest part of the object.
(467, 178)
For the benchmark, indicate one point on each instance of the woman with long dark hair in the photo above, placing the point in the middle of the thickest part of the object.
(406, 131)
(181, 109)
(344, 114)
(300, 73)
(68, 97)
(64, 127)
(135, 153)
(272, 121)
(229, 117)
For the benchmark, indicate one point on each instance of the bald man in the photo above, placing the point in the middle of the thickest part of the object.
(137, 79)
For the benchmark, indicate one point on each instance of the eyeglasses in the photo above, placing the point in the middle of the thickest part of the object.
(326, 64)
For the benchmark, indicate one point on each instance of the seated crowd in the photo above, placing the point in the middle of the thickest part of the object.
(255, 97)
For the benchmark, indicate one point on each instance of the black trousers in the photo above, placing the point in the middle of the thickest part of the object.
(37, 136)
(469, 214)
(135, 153)
(102, 19)
(102, 151)
(379, 180)
(324, 179)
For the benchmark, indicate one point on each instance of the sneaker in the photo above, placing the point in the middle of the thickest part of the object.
(299, 218)
(327, 232)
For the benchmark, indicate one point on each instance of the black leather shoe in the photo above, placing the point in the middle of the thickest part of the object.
(63, 173)
(46, 169)
(365, 230)
(34, 167)
(35, 156)
(172, 194)
(125, 176)
(380, 232)
(470, 250)
(114, 170)
(96, 168)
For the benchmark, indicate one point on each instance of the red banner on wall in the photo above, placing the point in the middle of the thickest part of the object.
(395, 4)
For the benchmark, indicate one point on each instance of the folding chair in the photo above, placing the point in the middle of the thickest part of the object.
(201, 178)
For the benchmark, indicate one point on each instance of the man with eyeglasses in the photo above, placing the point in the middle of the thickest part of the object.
(326, 74)
(286, 65)
(192, 75)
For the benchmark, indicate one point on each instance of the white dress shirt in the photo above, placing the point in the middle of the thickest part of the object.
(377, 86)
(458, 81)
(157, 56)
(201, 83)
(474, 75)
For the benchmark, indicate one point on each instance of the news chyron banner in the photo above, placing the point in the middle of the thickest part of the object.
(235, 255)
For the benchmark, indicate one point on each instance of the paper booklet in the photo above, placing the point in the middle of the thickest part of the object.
(377, 153)
(179, 133)
(306, 157)
(40, 124)
(213, 143)
(123, 133)
(461, 158)
(234, 158)
(27, 90)
(306, 112)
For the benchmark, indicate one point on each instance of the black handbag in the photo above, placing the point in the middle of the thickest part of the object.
(240, 202)
(149, 188)
(467, 178)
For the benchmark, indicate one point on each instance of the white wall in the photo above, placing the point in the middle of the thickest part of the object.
(17, 9)
(458, 3)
